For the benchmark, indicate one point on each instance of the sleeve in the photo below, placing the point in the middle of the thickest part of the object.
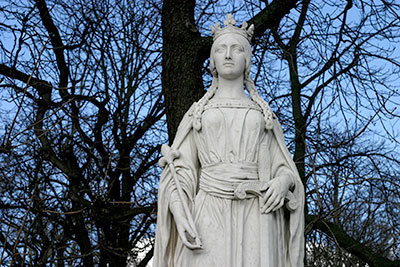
(186, 166)
(280, 167)
(296, 217)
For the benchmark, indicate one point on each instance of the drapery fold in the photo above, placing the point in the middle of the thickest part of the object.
(240, 234)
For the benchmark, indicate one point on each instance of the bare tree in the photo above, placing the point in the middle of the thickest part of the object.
(339, 91)
(81, 139)
(328, 69)
(83, 85)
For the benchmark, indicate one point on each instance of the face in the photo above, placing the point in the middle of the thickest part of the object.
(229, 57)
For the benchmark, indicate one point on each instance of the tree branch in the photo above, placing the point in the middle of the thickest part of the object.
(323, 85)
(350, 244)
(56, 42)
(271, 15)
(268, 18)
(13, 73)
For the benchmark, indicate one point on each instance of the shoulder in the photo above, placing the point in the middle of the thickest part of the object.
(277, 128)
(185, 126)
(188, 117)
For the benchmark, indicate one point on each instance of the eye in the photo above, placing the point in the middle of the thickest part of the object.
(238, 49)
(219, 49)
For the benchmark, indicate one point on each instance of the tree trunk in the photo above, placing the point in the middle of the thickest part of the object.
(182, 82)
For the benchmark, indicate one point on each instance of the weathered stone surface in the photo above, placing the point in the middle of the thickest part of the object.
(230, 194)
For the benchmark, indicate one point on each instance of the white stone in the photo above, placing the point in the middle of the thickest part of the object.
(228, 176)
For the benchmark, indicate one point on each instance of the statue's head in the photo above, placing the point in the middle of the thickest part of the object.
(231, 45)
(230, 58)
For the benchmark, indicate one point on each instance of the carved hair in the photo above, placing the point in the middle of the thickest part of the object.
(202, 102)
(250, 86)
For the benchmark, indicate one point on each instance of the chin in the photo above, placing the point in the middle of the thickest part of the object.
(230, 76)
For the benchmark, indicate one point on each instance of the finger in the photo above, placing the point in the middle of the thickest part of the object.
(188, 236)
(273, 205)
(188, 229)
(272, 199)
(195, 243)
(280, 205)
(187, 243)
(267, 196)
(269, 202)
(268, 193)
(183, 236)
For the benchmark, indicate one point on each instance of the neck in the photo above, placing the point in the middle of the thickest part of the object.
(230, 88)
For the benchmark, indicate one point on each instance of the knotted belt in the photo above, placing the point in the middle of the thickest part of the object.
(222, 179)
(237, 180)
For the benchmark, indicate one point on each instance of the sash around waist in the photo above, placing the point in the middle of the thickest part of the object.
(223, 178)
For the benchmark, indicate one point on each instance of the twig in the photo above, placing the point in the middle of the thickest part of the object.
(64, 213)
(25, 91)
(23, 224)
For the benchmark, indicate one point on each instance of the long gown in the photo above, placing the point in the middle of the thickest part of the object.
(232, 147)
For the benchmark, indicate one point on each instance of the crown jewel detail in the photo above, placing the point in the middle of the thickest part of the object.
(229, 23)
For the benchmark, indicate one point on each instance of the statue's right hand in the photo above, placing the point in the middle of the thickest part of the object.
(185, 230)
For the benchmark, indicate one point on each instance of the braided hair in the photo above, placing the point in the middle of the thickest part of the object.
(267, 113)
(199, 108)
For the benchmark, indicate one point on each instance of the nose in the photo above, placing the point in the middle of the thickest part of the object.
(228, 54)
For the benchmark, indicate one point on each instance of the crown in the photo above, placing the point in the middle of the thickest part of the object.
(229, 23)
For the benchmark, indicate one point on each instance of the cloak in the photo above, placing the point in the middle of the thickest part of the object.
(166, 235)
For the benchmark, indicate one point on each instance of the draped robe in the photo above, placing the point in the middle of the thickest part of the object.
(231, 147)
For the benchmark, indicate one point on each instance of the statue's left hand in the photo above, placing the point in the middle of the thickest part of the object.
(274, 198)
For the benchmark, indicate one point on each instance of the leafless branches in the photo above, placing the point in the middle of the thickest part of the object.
(87, 131)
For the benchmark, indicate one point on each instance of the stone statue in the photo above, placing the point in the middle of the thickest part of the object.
(230, 194)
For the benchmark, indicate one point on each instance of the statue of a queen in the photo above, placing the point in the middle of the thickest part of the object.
(229, 194)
